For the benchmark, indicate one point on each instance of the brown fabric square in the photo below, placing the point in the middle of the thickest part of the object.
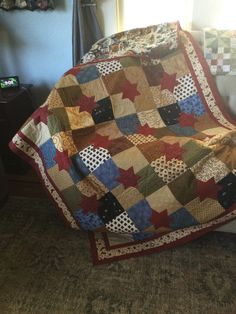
(184, 187)
(109, 128)
(118, 145)
(154, 74)
(152, 150)
(70, 95)
(114, 82)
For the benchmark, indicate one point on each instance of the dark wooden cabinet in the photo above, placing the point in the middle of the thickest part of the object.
(15, 107)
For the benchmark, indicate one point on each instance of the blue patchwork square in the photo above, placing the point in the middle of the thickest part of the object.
(48, 151)
(141, 214)
(139, 236)
(170, 114)
(192, 105)
(79, 166)
(182, 219)
(182, 130)
(74, 174)
(108, 173)
(88, 74)
(88, 221)
(129, 124)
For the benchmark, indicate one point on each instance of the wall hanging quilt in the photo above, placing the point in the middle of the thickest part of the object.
(26, 4)
(220, 51)
(137, 144)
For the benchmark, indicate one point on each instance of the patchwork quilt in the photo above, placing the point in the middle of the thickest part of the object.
(138, 143)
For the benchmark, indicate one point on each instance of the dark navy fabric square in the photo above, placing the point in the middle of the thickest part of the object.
(89, 221)
(74, 174)
(227, 196)
(48, 151)
(108, 173)
(103, 111)
(192, 105)
(128, 124)
(88, 74)
(110, 208)
(182, 130)
(170, 114)
(141, 214)
(182, 219)
(79, 166)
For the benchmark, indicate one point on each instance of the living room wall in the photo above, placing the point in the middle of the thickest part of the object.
(36, 46)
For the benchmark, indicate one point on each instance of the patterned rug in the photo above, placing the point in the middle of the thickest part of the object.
(46, 267)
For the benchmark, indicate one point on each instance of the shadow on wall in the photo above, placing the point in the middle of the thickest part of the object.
(40, 94)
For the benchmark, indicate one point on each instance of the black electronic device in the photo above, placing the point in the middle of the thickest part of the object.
(9, 82)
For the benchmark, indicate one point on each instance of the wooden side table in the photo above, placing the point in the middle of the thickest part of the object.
(15, 107)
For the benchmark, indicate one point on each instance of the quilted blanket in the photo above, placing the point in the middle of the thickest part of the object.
(137, 143)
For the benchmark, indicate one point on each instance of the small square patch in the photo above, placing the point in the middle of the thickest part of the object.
(170, 114)
(141, 214)
(108, 67)
(48, 151)
(103, 111)
(87, 74)
(128, 124)
(88, 221)
(94, 157)
(110, 208)
(108, 173)
(122, 224)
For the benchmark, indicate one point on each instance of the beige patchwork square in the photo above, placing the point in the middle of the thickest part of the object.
(54, 100)
(79, 120)
(175, 64)
(66, 81)
(94, 88)
(210, 167)
(129, 197)
(205, 123)
(163, 199)
(130, 157)
(64, 141)
(61, 178)
(152, 118)
(135, 74)
(204, 211)
(214, 131)
(92, 186)
(162, 97)
(122, 107)
(145, 100)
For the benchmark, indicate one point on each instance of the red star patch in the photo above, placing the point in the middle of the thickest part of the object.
(169, 81)
(63, 160)
(208, 189)
(146, 130)
(160, 219)
(101, 141)
(172, 151)
(87, 103)
(129, 90)
(186, 119)
(128, 177)
(90, 204)
(41, 115)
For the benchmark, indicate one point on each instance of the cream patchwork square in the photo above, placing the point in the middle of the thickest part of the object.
(54, 100)
(163, 199)
(38, 134)
(152, 118)
(66, 81)
(136, 75)
(122, 107)
(162, 97)
(210, 167)
(129, 197)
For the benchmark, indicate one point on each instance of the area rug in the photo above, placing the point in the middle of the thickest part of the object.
(45, 267)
